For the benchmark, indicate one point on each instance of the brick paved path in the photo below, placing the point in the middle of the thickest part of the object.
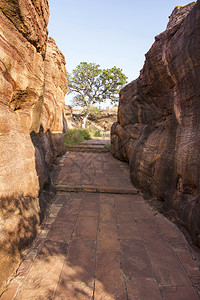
(104, 245)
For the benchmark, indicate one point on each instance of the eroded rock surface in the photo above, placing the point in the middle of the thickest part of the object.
(31, 118)
(158, 128)
(30, 18)
(49, 142)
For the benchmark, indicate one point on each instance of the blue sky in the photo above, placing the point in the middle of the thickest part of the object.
(108, 32)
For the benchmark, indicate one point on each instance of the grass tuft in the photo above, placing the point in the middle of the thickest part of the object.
(108, 146)
(95, 133)
(76, 136)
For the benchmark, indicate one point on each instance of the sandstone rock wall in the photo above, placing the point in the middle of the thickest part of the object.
(158, 128)
(32, 89)
(30, 18)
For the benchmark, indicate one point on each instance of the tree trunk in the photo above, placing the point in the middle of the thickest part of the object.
(85, 120)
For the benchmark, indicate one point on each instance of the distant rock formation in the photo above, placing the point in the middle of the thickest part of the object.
(158, 128)
(100, 120)
(32, 89)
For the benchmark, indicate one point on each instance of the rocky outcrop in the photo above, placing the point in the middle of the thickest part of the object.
(100, 120)
(55, 89)
(31, 121)
(49, 142)
(30, 18)
(158, 128)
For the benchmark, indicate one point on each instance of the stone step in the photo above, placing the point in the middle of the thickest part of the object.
(93, 189)
(94, 144)
(87, 149)
(90, 146)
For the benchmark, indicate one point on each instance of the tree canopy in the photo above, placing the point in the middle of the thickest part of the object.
(90, 84)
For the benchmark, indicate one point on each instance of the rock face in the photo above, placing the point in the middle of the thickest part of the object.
(49, 142)
(32, 89)
(158, 128)
(30, 18)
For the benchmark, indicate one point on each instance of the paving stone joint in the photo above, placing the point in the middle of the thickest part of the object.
(99, 243)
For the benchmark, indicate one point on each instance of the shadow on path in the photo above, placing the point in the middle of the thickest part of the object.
(110, 245)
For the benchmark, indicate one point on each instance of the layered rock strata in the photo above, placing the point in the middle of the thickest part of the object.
(158, 128)
(49, 142)
(32, 88)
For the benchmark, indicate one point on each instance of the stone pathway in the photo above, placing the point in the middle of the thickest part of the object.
(96, 146)
(110, 245)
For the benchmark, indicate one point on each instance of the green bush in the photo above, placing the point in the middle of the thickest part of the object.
(95, 133)
(85, 133)
(76, 136)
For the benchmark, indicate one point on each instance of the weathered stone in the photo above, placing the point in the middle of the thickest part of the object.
(19, 219)
(28, 143)
(49, 142)
(55, 89)
(158, 119)
(30, 17)
(21, 85)
(179, 14)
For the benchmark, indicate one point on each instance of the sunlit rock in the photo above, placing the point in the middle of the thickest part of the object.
(158, 128)
(30, 123)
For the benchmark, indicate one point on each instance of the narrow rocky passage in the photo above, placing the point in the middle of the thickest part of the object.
(104, 241)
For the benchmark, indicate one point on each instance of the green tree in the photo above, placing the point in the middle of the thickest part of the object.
(90, 84)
